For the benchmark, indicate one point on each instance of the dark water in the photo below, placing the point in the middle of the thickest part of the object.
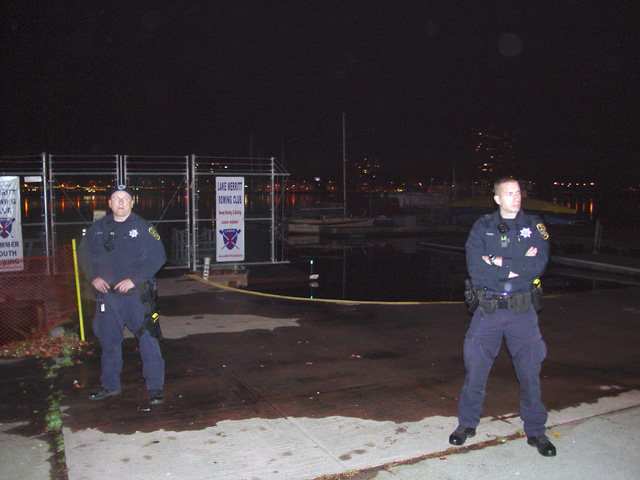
(404, 270)
(397, 270)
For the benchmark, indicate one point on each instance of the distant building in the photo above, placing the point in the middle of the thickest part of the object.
(494, 153)
(367, 175)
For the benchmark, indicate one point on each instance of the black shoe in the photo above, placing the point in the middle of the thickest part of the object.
(103, 393)
(155, 397)
(460, 435)
(543, 444)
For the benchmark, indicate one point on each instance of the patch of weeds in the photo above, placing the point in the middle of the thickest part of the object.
(53, 419)
(63, 348)
(54, 353)
(66, 362)
(340, 476)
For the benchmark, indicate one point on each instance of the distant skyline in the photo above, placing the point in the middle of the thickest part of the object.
(273, 79)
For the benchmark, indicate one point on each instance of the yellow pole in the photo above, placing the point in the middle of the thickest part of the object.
(75, 269)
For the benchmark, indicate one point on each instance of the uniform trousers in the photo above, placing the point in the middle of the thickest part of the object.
(108, 326)
(527, 349)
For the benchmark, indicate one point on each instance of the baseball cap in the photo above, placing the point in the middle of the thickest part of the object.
(122, 188)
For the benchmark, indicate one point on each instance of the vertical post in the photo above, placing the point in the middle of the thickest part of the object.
(597, 237)
(79, 297)
(46, 214)
(283, 190)
(187, 206)
(192, 235)
(344, 168)
(205, 269)
(273, 212)
(121, 170)
(454, 195)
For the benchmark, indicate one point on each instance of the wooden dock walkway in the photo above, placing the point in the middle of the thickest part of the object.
(601, 262)
(589, 261)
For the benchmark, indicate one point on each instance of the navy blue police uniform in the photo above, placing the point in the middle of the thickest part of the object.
(116, 251)
(505, 311)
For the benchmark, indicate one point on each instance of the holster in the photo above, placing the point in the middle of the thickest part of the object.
(521, 302)
(151, 316)
(488, 305)
(536, 296)
(471, 296)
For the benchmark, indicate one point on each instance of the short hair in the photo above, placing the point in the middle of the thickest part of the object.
(502, 181)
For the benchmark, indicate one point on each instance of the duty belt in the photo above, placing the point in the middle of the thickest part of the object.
(489, 301)
(118, 293)
(509, 300)
(504, 301)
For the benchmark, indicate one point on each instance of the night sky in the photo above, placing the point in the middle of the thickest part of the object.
(263, 78)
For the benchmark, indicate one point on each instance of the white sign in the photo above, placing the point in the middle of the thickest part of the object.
(230, 219)
(98, 214)
(11, 253)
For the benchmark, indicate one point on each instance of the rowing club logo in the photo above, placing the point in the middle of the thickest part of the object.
(5, 226)
(230, 237)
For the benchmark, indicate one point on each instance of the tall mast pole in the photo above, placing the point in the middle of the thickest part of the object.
(344, 168)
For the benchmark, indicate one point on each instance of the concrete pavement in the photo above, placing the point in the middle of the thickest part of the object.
(274, 388)
(597, 447)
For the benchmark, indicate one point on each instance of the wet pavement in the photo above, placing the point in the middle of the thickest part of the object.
(261, 387)
(25, 447)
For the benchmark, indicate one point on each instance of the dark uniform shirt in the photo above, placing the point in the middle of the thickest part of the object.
(485, 238)
(137, 251)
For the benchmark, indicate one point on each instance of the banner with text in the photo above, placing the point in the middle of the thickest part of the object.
(230, 219)
(11, 253)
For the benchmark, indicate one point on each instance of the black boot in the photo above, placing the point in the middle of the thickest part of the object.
(543, 444)
(460, 435)
(103, 393)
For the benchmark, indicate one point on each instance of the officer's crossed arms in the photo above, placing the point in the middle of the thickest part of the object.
(532, 252)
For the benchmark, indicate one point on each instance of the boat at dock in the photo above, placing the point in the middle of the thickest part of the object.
(413, 200)
(315, 226)
(312, 220)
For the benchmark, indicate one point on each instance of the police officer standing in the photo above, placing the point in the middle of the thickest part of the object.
(507, 252)
(120, 254)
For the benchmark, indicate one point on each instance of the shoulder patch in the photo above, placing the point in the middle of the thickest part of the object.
(543, 231)
(153, 233)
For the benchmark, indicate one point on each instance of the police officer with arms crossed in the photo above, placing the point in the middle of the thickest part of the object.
(507, 252)
(119, 254)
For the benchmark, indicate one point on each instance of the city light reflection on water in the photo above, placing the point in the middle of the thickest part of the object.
(584, 206)
(152, 203)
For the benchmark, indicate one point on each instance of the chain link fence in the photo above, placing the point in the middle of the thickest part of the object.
(38, 298)
(60, 195)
